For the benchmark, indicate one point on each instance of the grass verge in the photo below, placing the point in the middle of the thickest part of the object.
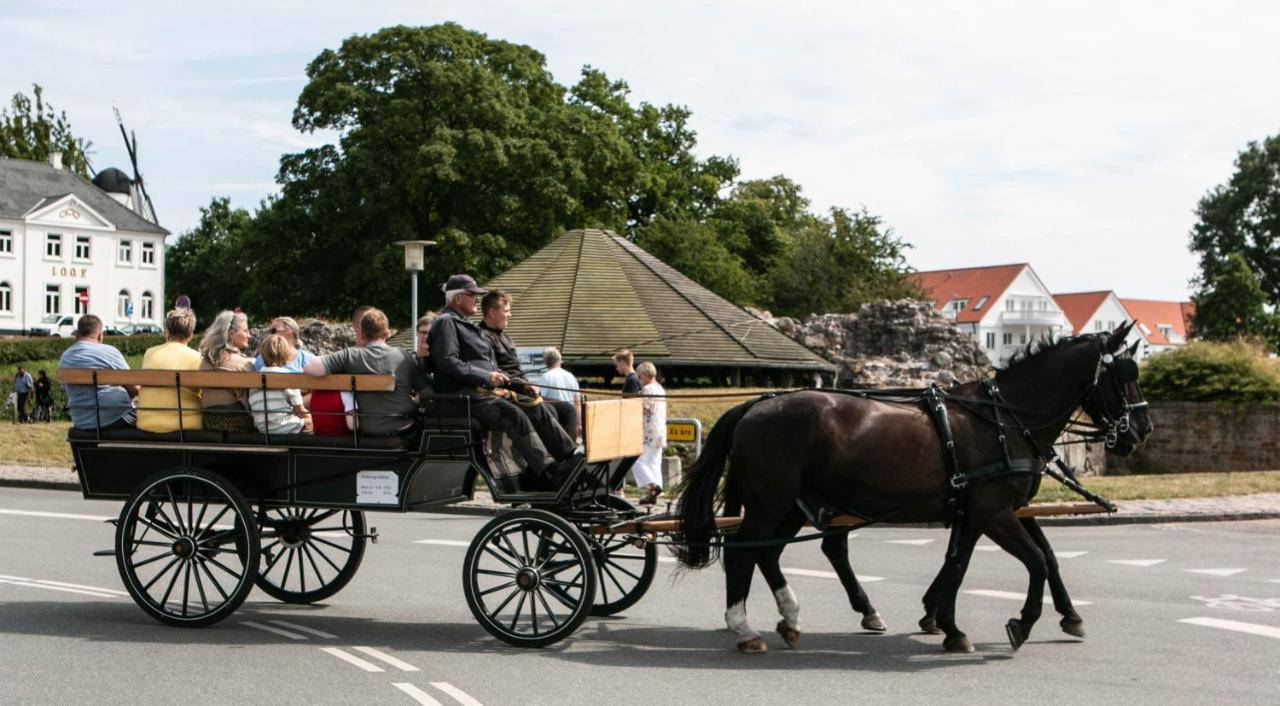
(1166, 487)
(35, 444)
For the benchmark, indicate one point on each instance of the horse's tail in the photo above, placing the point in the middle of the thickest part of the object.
(691, 542)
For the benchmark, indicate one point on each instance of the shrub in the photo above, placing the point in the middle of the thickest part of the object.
(51, 347)
(1237, 372)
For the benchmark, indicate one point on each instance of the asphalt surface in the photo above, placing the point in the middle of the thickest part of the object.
(1175, 613)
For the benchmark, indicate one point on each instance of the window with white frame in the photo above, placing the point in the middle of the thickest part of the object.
(6, 298)
(991, 340)
(1165, 330)
(148, 306)
(149, 254)
(1010, 304)
(81, 307)
(82, 247)
(6, 242)
(1098, 325)
(122, 304)
(53, 299)
(1008, 339)
(124, 254)
(981, 303)
(53, 245)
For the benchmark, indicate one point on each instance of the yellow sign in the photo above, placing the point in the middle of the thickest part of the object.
(681, 433)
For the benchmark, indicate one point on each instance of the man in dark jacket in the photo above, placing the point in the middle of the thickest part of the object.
(464, 363)
(556, 421)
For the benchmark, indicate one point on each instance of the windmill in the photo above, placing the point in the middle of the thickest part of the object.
(141, 200)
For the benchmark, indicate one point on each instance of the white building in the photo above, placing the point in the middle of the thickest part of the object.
(69, 247)
(1004, 306)
(1095, 312)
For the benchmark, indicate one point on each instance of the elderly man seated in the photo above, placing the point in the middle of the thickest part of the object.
(109, 406)
(464, 363)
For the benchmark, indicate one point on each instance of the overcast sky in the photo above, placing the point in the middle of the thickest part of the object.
(1077, 136)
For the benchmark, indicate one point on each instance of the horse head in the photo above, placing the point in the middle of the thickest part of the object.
(1114, 403)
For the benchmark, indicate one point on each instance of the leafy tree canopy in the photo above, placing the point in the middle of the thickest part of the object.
(1232, 305)
(31, 129)
(209, 263)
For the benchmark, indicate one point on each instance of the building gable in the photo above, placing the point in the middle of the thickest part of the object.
(67, 211)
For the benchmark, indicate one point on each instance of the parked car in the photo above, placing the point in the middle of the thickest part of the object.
(141, 330)
(62, 325)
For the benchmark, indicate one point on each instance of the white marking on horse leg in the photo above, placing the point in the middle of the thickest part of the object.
(788, 606)
(736, 619)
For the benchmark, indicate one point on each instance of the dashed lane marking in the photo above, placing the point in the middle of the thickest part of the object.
(443, 542)
(826, 575)
(1017, 596)
(277, 631)
(63, 589)
(459, 695)
(55, 515)
(1069, 555)
(417, 694)
(1144, 563)
(303, 628)
(913, 542)
(1234, 625)
(986, 548)
(64, 584)
(1216, 572)
(667, 560)
(383, 656)
(352, 659)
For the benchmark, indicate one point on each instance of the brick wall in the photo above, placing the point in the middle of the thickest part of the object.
(1190, 437)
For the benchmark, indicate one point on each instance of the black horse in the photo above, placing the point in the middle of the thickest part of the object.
(883, 459)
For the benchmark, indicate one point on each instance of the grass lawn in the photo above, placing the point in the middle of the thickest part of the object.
(35, 444)
(1166, 487)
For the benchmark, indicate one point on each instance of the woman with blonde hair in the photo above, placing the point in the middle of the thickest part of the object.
(226, 409)
(648, 468)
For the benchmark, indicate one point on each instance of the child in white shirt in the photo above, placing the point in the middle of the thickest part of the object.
(278, 411)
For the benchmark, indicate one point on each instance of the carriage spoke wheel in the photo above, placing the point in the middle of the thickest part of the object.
(309, 554)
(624, 572)
(529, 578)
(187, 547)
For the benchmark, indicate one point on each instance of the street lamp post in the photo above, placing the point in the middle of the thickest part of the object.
(413, 261)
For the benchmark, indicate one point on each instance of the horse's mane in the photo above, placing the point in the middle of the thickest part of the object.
(1043, 344)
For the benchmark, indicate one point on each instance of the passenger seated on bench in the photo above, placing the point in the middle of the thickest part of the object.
(329, 408)
(113, 407)
(278, 411)
(288, 328)
(158, 406)
(226, 409)
(377, 413)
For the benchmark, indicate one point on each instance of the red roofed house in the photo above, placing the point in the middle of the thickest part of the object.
(1164, 325)
(1094, 312)
(1004, 306)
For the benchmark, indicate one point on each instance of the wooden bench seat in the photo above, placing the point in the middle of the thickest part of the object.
(223, 379)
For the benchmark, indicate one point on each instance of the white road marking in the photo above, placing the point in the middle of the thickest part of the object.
(303, 628)
(1137, 562)
(1216, 572)
(95, 589)
(1274, 580)
(352, 659)
(1235, 625)
(914, 542)
(47, 587)
(986, 548)
(55, 515)
(1069, 555)
(461, 696)
(1018, 596)
(277, 631)
(417, 694)
(380, 655)
(828, 574)
(443, 542)
(668, 560)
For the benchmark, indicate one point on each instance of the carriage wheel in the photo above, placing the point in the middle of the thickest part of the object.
(187, 547)
(309, 554)
(529, 578)
(623, 572)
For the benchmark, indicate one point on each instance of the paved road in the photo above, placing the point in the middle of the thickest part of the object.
(1175, 614)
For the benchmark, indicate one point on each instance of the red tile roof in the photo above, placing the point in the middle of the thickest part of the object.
(1155, 313)
(972, 283)
(1080, 307)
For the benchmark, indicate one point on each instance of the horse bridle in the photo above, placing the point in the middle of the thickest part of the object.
(1123, 371)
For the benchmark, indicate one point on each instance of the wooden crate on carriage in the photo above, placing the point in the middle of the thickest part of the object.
(613, 429)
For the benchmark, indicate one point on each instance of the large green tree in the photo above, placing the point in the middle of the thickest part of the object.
(1232, 305)
(211, 263)
(31, 128)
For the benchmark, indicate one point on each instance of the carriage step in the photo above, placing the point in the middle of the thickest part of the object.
(105, 552)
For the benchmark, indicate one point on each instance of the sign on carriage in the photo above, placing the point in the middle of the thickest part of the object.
(378, 488)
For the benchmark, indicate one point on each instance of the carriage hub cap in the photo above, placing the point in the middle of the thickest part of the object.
(528, 579)
(295, 535)
(184, 547)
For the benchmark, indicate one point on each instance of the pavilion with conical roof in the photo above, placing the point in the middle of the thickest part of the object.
(591, 293)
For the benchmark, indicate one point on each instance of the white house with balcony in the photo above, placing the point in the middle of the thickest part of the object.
(1096, 312)
(1004, 307)
(70, 247)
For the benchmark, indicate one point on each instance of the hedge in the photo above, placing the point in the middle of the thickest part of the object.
(1237, 373)
(51, 347)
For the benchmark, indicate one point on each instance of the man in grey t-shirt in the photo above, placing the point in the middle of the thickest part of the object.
(377, 413)
(114, 408)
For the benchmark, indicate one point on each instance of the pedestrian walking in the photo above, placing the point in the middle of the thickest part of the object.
(648, 468)
(44, 398)
(22, 385)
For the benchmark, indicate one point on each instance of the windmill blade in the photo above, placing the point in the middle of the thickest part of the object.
(131, 145)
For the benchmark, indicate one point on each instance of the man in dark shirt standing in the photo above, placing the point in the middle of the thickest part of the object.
(624, 363)
(556, 427)
(463, 361)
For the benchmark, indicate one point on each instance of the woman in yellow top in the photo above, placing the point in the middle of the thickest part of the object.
(158, 406)
(226, 409)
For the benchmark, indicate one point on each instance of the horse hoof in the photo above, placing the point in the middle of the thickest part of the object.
(789, 634)
(1017, 633)
(1074, 628)
(929, 625)
(874, 623)
(754, 646)
(958, 645)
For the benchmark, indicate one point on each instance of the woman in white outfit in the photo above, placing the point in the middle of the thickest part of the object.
(648, 468)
